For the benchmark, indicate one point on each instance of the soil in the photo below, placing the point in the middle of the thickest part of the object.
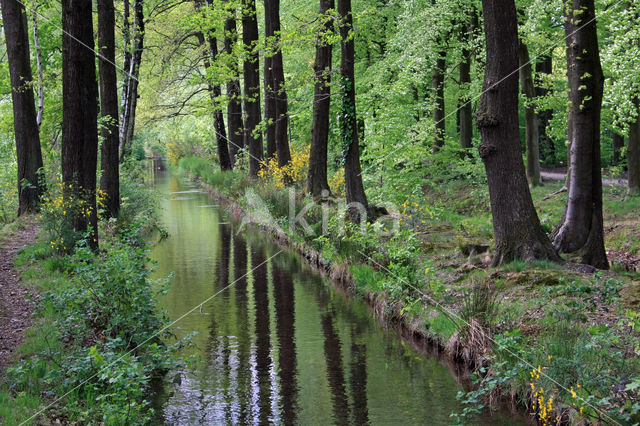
(15, 305)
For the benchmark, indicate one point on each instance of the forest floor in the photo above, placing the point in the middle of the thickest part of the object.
(15, 305)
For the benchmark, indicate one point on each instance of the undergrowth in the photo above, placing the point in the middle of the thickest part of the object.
(97, 343)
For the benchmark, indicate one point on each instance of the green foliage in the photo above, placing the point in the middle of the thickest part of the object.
(105, 343)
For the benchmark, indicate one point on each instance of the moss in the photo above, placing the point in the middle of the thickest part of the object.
(631, 295)
(535, 278)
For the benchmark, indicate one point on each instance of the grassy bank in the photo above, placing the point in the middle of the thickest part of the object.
(96, 343)
(563, 343)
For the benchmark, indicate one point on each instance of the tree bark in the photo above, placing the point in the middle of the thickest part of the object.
(28, 151)
(234, 105)
(79, 112)
(517, 230)
(126, 67)
(356, 197)
(272, 15)
(251, 69)
(215, 92)
(36, 44)
(465, 110)
(633, 155)
(618, 144)
(531, 118)
(138, 42)
(270, 116)
(582, 228)
(317, 184)
(548, 154)
(437, 85)
(110, 180)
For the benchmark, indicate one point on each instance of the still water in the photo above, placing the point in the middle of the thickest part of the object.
(280, 344)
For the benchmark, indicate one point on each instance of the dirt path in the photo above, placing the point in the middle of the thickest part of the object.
(15, 308)
(553, 175)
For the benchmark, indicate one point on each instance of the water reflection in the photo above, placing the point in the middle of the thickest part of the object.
(279, 346)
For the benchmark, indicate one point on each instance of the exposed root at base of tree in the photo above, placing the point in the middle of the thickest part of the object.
(553, 194)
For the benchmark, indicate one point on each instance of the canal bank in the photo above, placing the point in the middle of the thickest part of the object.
(279, 343)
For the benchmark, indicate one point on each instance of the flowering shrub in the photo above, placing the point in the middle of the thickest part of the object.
(336, 182)
(294, 172)
(57, 210)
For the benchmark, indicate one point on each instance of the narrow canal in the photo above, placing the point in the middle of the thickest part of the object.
(280, 344)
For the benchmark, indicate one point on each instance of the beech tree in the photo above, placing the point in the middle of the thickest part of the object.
(531, 119)
(28, 151)
(356, 197)
(251, 68)
(582, 227)
(79, 113)
(110, 179)
(517, 230)
(317, 184)
(272, 16)
(234, 105)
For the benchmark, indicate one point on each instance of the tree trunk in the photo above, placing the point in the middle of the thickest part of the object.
(317, 184)
(136, 60)
(126, 67)
(437, 84)
(531, 119)
(215, 92)
(633, 155)
(581, 229)
(251, 68)
(234, 105)
(356, 197)
(272, 15)
(618, 144)
(79, 113)
(517, 230)
(36, 44)
(29, 155)
(548, 154)
(270, 116)
(110, 180)
(465, 110)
